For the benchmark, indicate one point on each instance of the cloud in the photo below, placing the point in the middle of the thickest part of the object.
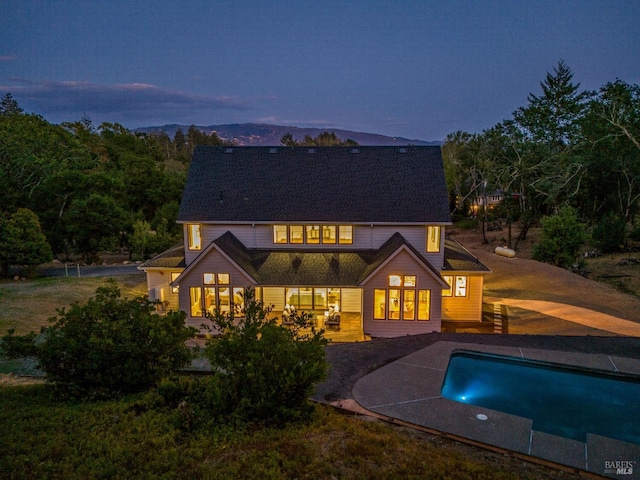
(8, 58)
(124, 103)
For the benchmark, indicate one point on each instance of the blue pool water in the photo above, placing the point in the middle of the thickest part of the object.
(560, 400)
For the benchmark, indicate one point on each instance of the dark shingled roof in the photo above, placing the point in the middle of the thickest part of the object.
(172, 258)
(318, 267)
(458, 258)
(322, 184)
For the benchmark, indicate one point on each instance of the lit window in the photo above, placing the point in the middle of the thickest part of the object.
(433, 239)
(447, 292)
(296, 234)
(194, 235)
(174, 277)
(279, 234)
(345, 234)
(210, 299)
(409, 305)
(209, 278)
(224, 300)
(394, 304)
(320, 298)
(395, 280)
(461, 286)
(306, 298)
(424, 304)
(313, 234)
(292, 297)
(223, 279)
(409, 280)
(195, 297)
(238, 300)
(328, 234)
(379, 304)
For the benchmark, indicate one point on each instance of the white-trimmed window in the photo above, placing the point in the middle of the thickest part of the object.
(194, 236)
(174, 277)
(279, 234)
(345, 234)
(401, 301)
(458, 286)
(433, 239)
(313, 234)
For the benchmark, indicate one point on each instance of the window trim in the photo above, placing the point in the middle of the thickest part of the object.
(434, 234)
(194, 236)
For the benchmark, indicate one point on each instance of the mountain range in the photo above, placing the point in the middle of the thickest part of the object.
(259, 134)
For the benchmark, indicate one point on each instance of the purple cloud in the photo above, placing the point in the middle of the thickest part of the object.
(124, 103)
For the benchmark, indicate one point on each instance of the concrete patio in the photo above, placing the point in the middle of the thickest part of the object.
(408, 390)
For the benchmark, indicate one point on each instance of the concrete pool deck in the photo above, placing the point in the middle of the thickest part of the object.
(408, 390)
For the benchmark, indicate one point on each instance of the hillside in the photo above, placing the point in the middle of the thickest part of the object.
(258, 134)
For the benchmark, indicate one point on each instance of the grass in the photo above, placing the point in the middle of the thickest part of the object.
(623, 277)
(27, 305)
(42, 438)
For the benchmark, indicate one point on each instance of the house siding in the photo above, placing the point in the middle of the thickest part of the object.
(467, 308)
(402, 264)
(158, 285)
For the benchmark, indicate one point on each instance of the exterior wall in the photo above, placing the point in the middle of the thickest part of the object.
(467, 308)
(364, 237)
(159, 289)
(213, 263)
(402, 264)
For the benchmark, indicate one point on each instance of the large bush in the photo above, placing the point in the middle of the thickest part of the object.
(110, 345)
(562, 237)
(264, 371)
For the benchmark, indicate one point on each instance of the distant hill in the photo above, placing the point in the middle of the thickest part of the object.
(258, 134)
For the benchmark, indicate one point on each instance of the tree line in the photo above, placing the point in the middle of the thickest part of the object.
(567, 147)
(79, 189)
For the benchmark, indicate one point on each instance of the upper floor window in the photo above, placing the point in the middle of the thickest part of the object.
(345, 234)
(433, 238)
(279, 234)
(313, 234)
(194, 235)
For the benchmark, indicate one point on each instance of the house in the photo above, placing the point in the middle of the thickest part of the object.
(357, 232)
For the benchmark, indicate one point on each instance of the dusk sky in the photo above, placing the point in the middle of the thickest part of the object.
(416, 69)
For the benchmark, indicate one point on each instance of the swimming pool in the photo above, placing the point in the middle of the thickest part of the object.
(564, 401)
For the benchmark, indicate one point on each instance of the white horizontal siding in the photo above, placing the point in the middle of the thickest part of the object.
(159, 281)
(351, 300)
(402, 264)
(467, 308)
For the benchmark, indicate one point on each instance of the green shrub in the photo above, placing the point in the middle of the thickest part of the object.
(264, 371)
(562, 237)
(608, 234)
(111, 345)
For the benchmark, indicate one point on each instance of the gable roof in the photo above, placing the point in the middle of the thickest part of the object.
(317, 267)
(459, 259)
(321, 184)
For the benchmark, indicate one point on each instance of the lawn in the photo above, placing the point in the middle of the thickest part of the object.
(135, 438)
(26, 305)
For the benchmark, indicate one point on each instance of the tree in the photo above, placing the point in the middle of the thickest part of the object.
(111, 345)
(22, 242)
(562, 237)
(324, 139)
(8, 106)
(545, 141)
(92, 222)
(265, 371)
(611, 127)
